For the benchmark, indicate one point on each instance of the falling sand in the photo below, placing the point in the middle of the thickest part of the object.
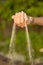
(12, 54)
(12, 44)
(29, 46)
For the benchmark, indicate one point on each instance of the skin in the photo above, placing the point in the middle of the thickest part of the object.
(21, 19)
(38, 21)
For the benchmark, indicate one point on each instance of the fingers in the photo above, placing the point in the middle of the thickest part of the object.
(20, 19)
(26, 18)
(16, 18)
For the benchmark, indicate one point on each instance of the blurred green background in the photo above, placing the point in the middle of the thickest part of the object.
(32, 8)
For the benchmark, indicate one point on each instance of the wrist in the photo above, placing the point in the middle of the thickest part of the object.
(31, 20)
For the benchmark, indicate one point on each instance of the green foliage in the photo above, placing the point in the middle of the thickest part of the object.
(32, 8)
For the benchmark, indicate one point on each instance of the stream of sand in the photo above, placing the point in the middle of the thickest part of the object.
(12, 43)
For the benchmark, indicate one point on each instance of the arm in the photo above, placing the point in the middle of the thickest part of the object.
(21, 18)
(38, 20)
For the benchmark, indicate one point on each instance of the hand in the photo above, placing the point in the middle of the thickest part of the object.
(21, 19)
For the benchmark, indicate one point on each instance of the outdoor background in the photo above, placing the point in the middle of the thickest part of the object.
(31, 8)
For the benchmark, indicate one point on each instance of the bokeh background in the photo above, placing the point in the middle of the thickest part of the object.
(33, 8)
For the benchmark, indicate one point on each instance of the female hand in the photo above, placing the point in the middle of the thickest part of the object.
(21, 19)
